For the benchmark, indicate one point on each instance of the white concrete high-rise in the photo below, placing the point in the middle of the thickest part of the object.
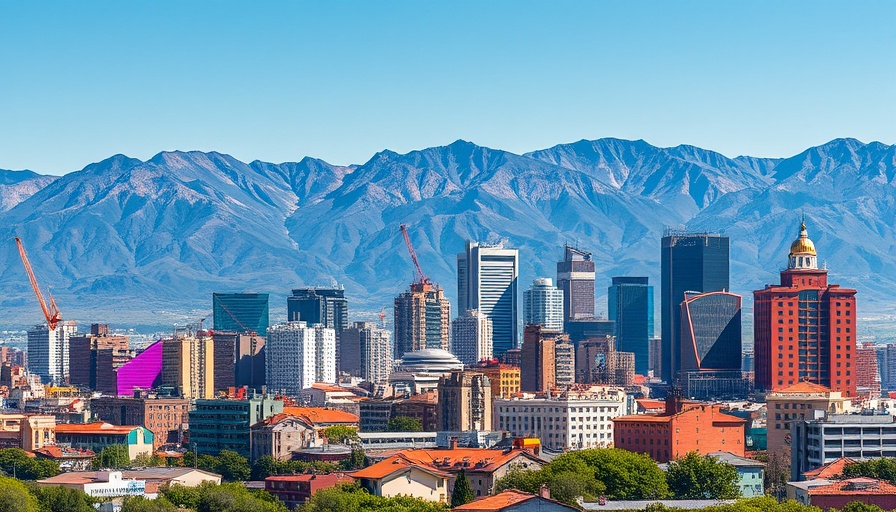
(297, 356)
(471, 337)
(48, 352)
(487, 282)
(544, 305)
(366, 352)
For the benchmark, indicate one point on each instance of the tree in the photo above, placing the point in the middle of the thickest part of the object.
(233, 497)
(114, 456)
(702, 477)
(463, 491)
(352, 498)
(232, 466)
(883, 468)
(145, 460)
(858, 506)
(62, 499)
(522, 480)
(404, 424)
(141, 504)
(357, 460)
(14, 497)
(264, 467)
(182, 496)
(625, 475)
(340, 434)
(15, 462)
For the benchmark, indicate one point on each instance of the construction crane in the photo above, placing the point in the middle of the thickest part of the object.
(51, 312)
(421, 279)
(246, 330)
(382, 316)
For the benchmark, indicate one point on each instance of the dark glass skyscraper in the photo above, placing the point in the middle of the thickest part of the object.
(711, 332)
(630, 305)
(575, 276)
(240, 312)
(691, 262)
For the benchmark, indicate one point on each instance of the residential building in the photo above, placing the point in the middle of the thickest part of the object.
(630, 306)
(239, 360)
(711, 354)
(538, 359)
(48, 352)
(683, 427)
(487, 282)
(886, 364)
(298, 355)
(826, 437)
(573, 420)
(96, 436)
(465, 402)
(867, 373)
(87, 364)
(429, 474)
(516, 501)
(805, 328)
(423, 407)
(143, 371)
(794, 403)
(471, 337)
(69, 459)
(284, 434)
(689, 262)
(422, 319)
(564, 363)
(167, 418)
(543, 304)
(750, 473)
(188, 365)
(325, 306)
(598, 362)
(246, 313)
(296, 490)
(366, 352)
(504, 378)
(374, 415)
(575, 278)
(223, 424)
(28, 432)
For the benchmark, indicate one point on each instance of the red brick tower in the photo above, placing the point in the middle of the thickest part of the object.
(804, 328)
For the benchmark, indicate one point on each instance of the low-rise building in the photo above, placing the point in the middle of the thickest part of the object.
(750, 473)
(504, 378)
(683, 427)
(401, 476)
(96, 436)
(167, 418)
(576, 419)
(794, 403)
(295, 490)
(138, 482)
(465, 401)
(223, 424)
(828, 437)
(422, 407)
(28, 432)
(839, 493)
(296, 428)
(69, 459)
(516, 501)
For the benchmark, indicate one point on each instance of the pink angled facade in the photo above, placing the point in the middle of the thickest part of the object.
(143, 371)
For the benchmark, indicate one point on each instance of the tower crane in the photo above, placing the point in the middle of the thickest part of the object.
(382, 316)
(51, 312)
(421, 281)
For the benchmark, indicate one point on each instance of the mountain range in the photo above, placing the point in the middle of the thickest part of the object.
(130, 242)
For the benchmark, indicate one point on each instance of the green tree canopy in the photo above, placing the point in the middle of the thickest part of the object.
(14, 497)
(232, 466)
(141, 504)
(16, 462)
(702, 477)
(625, 475)
(114, 456)
(352, 498)
(883, 468)
(340, 434)
(463, 491)
(404, 424)
(62, 499)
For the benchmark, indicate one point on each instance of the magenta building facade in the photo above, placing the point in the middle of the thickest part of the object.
(144, 371)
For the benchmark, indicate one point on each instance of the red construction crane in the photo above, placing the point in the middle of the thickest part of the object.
(246, 330)
(421, 277)
(51, 313)
(382, 316)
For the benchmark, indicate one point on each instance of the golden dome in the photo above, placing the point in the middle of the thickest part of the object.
(802, 245)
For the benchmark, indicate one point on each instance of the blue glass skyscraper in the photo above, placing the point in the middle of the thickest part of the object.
(630, 305)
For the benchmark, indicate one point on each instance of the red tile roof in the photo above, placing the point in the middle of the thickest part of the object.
(93, 428)
(805, 387)
(321, 415)
(496, 502)
(471, 459)
(855, 487)
(392, 465)
(830, 470)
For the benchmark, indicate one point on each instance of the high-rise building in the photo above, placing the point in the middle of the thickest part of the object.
(538, 359)
(804, 328)
(598, 362)
(48, 352)
(465, 402)
(867, 373)
(188, 365)
(564, 363)
(297, 356)
(487, 282)
(505, 378)
(422, 319)
(575, 278)
(656, 351)
(471, 337)
(886, 364)
(711, 354)
(241, 312)
(95, 356)
(239, 360)
(630, 305)
(366, 352)
(543, 304)
(325, 306)
(696, 262)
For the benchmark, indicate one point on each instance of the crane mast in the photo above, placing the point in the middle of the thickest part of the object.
(421, 279)
(51, 312)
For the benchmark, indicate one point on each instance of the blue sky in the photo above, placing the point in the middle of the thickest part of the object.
(275, 81)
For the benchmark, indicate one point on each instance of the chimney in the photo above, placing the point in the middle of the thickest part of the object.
(673, 402)
(544, 492)
(454, 443)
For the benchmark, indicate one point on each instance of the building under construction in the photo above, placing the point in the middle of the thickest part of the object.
(598, 362)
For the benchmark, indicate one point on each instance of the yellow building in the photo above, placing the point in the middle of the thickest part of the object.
(798, 402)
(188, 365)
(504, 378)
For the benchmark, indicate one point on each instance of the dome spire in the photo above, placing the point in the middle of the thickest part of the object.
(802, 250)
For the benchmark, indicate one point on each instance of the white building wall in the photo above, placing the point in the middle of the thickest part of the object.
(48, 352)
(290, 357)
(325, 355)
(471, 337)
(544, 305)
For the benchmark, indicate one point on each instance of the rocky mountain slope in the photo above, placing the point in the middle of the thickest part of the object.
(126, 241)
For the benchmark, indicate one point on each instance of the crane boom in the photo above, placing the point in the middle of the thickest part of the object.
(237, 320)
(51, 312)
(421, 277)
